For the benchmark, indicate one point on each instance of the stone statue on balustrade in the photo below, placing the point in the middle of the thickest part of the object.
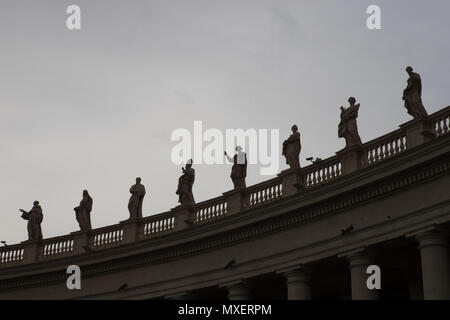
(348, 127)
(185, 184)
(239, 168)
(83, 212)
(292, 148)
(137, 198)
(412, 95)
(34, 217)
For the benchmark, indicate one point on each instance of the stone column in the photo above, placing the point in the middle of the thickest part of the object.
(298, 284)
(358, 263)
(434, 256)
(237, 290)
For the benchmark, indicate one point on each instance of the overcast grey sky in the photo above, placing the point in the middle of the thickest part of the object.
(95, 108)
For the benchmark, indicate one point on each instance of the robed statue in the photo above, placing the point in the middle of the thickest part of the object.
(348, 128)
(412, 95)
(83, 212)
(291, 149)
(34, 217)
(137, 198)
(185, 183)
(239, 168)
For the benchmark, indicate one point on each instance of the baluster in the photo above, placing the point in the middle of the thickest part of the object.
(402, 144)
(438, 127)
(376, 150)
(445, 126)
(328, 174)
(383, 153)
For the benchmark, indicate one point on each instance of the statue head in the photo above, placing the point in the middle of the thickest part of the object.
(189, 164)
(409, 69)
(294, 128)
(238, 148)
(351, 100)
(85, 194)
(138, 180)
(36, 203)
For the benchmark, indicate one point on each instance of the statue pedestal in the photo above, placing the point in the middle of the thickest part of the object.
(31, 251)
(237, 200)
(292, 181)
(132, 229)
(184, 217)
(353, 159)
(418, 132)
(81, 241)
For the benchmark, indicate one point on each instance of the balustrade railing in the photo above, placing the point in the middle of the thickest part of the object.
(322, 172)
(160, 224)
(11, 254)
(265, 192)
(325, 171)
(210, 210)
(441, 121)
(385, 147)
(57, 246)
(107, 237)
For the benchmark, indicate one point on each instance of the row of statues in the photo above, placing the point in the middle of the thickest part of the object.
(347, 129)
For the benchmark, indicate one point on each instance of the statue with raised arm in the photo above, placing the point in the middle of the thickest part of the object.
(292, 148)
(137, 198)
(239, 168)
(412, 95)
(348, 127)
(34, 217)
(83, 212)
(185, 183)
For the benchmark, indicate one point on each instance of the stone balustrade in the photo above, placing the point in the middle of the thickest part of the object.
(286, 184)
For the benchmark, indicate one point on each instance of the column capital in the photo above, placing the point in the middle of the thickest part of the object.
(357, 256)
(237, 290)
(298, 273)
(432, 238)
(298, 282)
(425, 229)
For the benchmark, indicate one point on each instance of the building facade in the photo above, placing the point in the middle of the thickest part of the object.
(309, 233)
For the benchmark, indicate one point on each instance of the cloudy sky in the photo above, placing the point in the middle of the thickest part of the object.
(95, 108)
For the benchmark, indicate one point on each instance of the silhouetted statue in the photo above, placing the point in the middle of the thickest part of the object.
(83, 212)
(137, 198)
(34, 217)
(412, 95)
(291, 148)
(239, 169)
(185, 183)
(348, 128)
